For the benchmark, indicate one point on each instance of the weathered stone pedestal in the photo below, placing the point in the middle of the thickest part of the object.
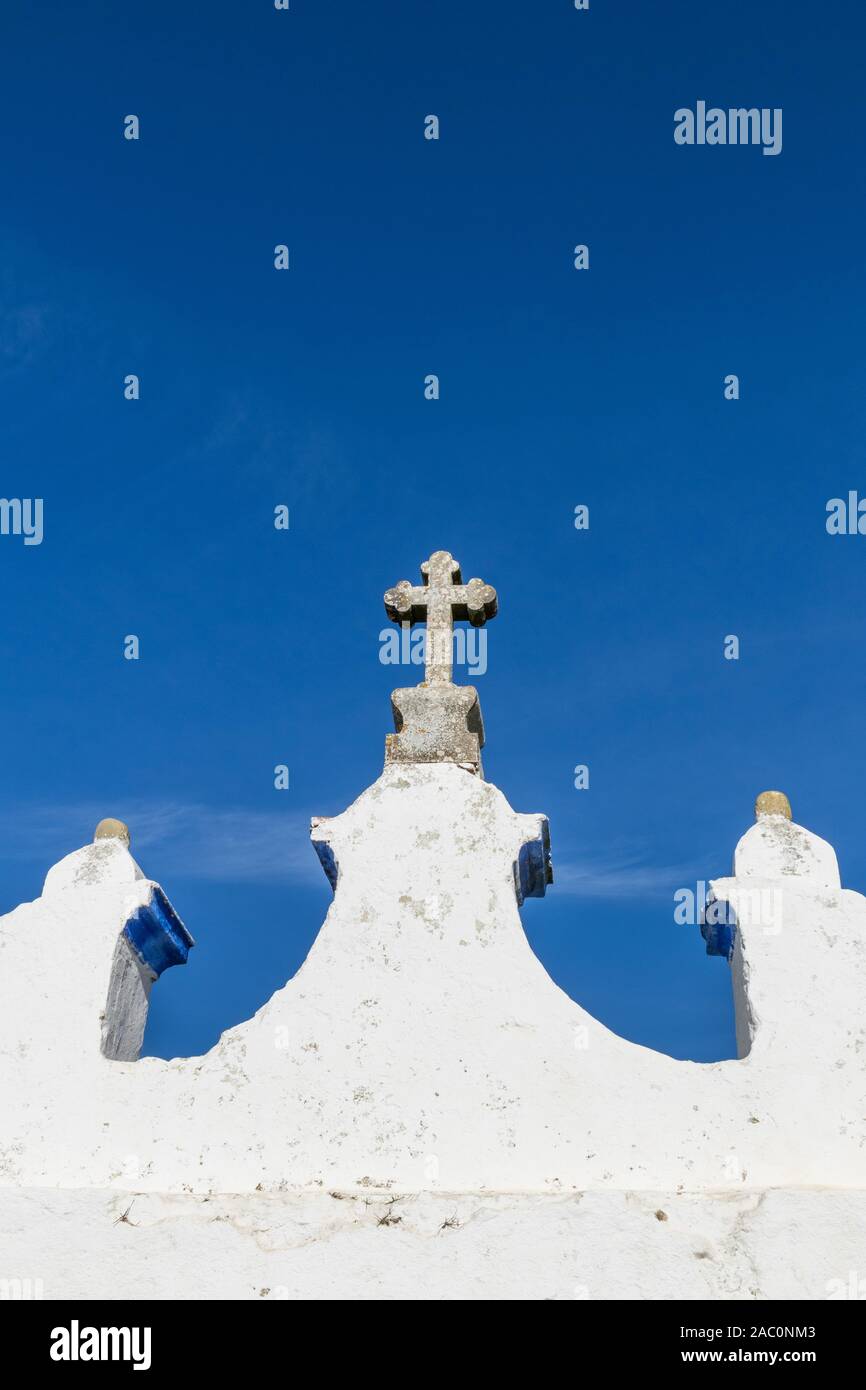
(436, 724)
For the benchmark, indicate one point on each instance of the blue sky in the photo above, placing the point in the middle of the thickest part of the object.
(558, 387)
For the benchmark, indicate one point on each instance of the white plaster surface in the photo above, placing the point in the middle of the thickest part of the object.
(423, 1051)
(595, 1245)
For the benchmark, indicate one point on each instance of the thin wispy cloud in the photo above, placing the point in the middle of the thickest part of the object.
(22, 332)
(274, 445)
(623, 875)
(225, 845)
(239, 845)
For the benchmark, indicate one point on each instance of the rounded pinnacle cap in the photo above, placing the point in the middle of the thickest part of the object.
(111, 829)
(773, 804)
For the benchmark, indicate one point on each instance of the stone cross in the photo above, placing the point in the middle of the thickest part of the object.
(438, 721)
(442, 598)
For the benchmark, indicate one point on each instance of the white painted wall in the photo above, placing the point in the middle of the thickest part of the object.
(422, 1048)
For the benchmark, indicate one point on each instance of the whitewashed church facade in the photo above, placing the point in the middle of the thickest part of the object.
(421, 1112)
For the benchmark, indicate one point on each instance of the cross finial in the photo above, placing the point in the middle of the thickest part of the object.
(437, 721)
(111, 829)
(773, 804)
(442, 598)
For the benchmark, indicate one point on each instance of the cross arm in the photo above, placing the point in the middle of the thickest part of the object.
(407, 602)
(474, 602)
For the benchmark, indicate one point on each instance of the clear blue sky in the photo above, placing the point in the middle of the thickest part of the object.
(558, 387)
